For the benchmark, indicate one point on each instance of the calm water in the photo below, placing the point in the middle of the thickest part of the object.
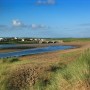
(32, 51)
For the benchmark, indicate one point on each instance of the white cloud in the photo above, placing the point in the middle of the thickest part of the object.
(40, 26)
(17, 23)
(51, 1)
(46, 2)
(34, 26)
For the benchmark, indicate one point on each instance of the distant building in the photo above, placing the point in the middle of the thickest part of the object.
(1, 39)
(31, 39)
(15, 38)
(36, 39)
(23, 40)
(42, 41)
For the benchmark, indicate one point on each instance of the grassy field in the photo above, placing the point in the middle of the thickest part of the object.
(73, 76)
(71, 39)
(19, 42)
(69, 70)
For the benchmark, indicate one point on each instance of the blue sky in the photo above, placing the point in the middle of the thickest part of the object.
(45, 18)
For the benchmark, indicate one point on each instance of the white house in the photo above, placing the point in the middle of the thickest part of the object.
(31, 39)
(1, 39)
(23, 40)
(15, 38)
(43, 40)
(35, 39)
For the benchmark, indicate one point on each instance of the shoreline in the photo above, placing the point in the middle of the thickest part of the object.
(31, 46)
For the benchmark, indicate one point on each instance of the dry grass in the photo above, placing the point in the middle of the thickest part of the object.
(22, 77)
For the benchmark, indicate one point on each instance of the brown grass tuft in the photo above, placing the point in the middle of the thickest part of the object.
(23, 76)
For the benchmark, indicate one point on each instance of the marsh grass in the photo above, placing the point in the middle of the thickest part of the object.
(10, 60)
(70, 77)
(59, 76)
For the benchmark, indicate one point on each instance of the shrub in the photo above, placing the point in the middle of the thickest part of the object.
(10, 60)
(59, 66)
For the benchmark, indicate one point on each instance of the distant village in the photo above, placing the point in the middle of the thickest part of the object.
(30, 40)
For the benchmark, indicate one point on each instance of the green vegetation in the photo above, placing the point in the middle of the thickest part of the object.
(19, 42)
(59, 76)
(10, 60)
(75, 39)
(69, 77)
(70, 39)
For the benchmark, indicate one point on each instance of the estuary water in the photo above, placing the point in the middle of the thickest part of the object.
(31, 51)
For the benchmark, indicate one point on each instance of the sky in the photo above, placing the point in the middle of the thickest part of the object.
(45, 18)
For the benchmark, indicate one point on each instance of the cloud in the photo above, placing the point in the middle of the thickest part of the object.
(40, 26)
(17, 23)
(51, 1)
(33, 26)
(84, 24)
(45, 2)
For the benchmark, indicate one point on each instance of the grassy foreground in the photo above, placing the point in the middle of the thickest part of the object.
(74, 76)
(21, 75)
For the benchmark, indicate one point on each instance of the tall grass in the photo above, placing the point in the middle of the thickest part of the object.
(76, 76)
(59, 76)
(10, 60)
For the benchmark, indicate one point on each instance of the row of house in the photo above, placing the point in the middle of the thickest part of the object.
(21, 39)
(38, 40)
